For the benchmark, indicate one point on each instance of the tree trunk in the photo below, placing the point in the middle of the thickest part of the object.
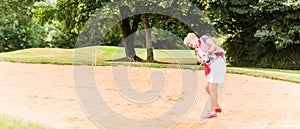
(126, 31)
(148, 38)
(129, 33)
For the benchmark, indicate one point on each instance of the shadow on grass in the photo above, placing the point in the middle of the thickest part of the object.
(159, 61)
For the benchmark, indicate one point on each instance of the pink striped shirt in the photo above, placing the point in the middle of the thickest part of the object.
(203, 48)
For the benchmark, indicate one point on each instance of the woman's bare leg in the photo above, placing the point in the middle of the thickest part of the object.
(207, 87)
(213, 93)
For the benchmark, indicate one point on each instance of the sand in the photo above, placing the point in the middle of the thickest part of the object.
(47, 94)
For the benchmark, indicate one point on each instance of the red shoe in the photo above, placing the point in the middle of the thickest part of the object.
(218, 109)
(211, 115)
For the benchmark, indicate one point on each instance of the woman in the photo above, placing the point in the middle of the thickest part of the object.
(212, 58)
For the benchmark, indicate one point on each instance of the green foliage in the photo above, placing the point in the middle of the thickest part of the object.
(73, 16)
(43, 12)
(166, 32)
(17, 30)
(169, 31)
(64, 20)
(113, 37)
(283, 30)
(58, 37)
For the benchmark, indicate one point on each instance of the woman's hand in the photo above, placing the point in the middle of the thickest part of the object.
(206, 58)
(199, 60)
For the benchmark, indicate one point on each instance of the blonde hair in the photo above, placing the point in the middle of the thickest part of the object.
(188, 38)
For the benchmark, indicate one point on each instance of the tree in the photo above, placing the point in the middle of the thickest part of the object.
(67, 18)
(75, 14)
(17, 30)
(129, 31)
(147, 27)
(258, 34)
(152, 12)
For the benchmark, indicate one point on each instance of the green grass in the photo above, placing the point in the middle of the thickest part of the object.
(107, 55)
(39, 55)
(276, 74)
(8, 122)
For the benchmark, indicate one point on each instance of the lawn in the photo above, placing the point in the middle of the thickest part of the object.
(107, 55)
(8, 122)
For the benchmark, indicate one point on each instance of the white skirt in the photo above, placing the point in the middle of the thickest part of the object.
(217, 71)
